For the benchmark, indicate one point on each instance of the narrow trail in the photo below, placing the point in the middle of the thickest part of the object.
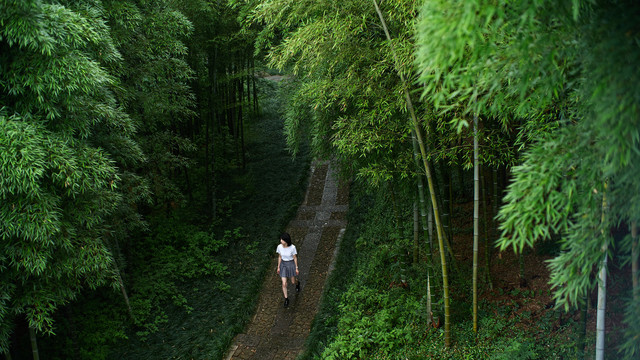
(278, 333)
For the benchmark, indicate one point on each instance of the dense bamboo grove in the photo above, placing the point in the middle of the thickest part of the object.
(111, 113)
(124, 159)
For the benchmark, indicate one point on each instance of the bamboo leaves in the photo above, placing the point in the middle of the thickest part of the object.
(58, 187)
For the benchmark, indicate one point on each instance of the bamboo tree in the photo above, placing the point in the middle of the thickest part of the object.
(476, 221)
(488, 227)
(34, 343)
(634, 261)
(602, 286)
(59, 189)
(416, 234)
(582, 329)
(427, 227)
(557, 60)
(423, 152)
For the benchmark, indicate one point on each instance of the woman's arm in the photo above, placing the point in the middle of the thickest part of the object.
(279, 260)
(295, 259)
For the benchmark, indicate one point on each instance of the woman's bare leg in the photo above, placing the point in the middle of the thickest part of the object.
(284, 287)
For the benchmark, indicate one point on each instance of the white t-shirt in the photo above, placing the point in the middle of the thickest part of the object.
(287, 252)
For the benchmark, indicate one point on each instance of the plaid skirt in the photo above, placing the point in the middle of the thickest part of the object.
(287, 269)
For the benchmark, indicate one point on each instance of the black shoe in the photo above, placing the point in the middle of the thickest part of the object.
(298, 287)
(286, 302)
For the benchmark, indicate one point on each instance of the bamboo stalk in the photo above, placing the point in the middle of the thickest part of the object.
(476, 221)
(34, 343)
(445, 280)
(602, 288)
(634, 261)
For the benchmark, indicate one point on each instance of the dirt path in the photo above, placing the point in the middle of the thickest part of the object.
(276, 332)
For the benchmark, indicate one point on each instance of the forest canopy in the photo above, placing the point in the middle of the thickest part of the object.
(127, 131)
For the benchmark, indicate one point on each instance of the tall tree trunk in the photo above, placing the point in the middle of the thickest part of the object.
(582, 330)
(427, 224)
(430, 222)
(487, 228)
(602, 288)
(416, 232)
(114, 247)
(247, 78)
(207, 179)
(446, 213)
(256, 108)
(436, 214)
(476, 221)
(461, 185)
(124, 295)
(602, 299)
(429, 310)
(446, 197)
(495, 203)
(34, 343)
(241, 121)
(634, 261)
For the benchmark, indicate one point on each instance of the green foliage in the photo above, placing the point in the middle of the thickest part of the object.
(481, 57)
(155, 87)
(178, 252)
(59, 187)
(349, 100)
(573, 64)
(362, 316)
(254, 206)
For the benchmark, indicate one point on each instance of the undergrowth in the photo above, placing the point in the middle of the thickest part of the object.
(193, 284)
(375, 301)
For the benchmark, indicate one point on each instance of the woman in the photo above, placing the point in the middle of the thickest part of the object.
(287, 264)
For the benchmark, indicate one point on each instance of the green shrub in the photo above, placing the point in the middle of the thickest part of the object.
(367, 315)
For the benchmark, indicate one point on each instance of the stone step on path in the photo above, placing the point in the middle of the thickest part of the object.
(278, 333)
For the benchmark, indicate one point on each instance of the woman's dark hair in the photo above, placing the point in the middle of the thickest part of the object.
(286, 237)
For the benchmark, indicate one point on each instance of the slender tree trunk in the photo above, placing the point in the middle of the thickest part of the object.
(427, 224)
(446, 215)
(602, 289)
(487, 228)
(476, 221)
(247, 78)
(241, 121)
(602, 300)
(207, 179)
(114, 248)
(436, 214)
(125, 296)
(634, 261)
(256, 108)
(34, 343)
(461, 181)
(430, 221)
(429, 310)
(495, 203)
(446, 190)
(416, 232)
(583, 328)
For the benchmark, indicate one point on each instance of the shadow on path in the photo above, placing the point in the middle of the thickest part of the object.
(278, 333)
